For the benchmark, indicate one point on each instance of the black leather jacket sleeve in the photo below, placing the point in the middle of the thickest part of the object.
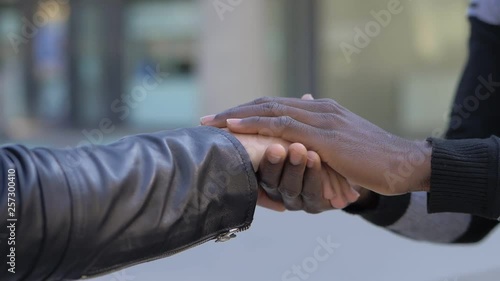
(89, 211)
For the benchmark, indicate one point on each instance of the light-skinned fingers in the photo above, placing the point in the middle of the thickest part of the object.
(307, 97)
(328, 190)
(339, 201)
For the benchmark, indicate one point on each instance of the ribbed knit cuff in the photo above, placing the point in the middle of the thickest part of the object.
(464, 177)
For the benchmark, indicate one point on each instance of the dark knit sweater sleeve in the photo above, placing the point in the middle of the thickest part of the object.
(386, 211)
(464, 177)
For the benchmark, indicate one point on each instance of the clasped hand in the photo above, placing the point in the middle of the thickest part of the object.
(345, 153)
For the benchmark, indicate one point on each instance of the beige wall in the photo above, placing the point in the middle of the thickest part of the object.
(238, 54)
(405, 77)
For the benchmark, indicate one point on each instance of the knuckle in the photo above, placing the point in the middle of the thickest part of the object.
(289, 193)
(273, 108)
(266, 127)
(285, 121)
(311, 195)
(328, 118)
(265, 183)
(262, 100)
(311, 209)
(328, 107)
(256, 119)
(328, 135)
(293, 206)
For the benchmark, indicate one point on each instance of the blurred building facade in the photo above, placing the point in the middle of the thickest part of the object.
(144, 64)
(77, 62)
(83, 65)
(71, 64)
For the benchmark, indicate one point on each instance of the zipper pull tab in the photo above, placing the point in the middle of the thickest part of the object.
(228, 235)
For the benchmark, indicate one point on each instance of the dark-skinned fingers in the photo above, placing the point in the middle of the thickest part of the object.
(308, 103)
(313, 105)
(283, 127)
(292, 177)
(305, 104)
(272, 109)
(312, 191)
(265, 201)
(270, 170)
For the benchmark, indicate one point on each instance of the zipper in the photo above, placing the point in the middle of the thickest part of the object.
(230, 234)
(219, 238)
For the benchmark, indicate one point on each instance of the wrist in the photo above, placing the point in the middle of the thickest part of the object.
(409, 168)
(421, 178)
(256, 146)
(255, 152)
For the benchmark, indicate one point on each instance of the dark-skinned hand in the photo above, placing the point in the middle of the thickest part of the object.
(351, 146)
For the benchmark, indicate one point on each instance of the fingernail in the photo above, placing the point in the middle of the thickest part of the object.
(310, 163)
(355, 194)
(233, 121)
(206, 119)
(295, 159)
(343, 205)
(274, 159)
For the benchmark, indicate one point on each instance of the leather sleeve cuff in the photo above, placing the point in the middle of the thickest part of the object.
(247, 169)
(464, 177)
(195, 184)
